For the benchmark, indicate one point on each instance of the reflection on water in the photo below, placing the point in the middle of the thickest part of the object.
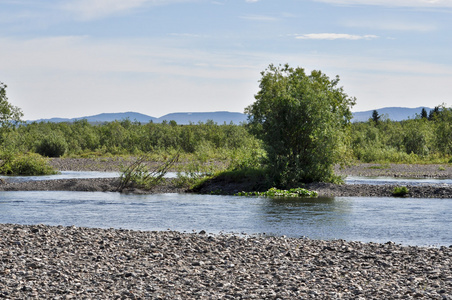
(406, 221)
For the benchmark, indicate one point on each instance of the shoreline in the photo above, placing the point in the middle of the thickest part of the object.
(230, 188)
(40, 261)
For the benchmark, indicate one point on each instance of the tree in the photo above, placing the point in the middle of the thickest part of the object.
(9, 114)
(433, 113)
(376, 117)
(302, 120)
(424, 114)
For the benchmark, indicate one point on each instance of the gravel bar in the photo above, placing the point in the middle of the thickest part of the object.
(47, 262)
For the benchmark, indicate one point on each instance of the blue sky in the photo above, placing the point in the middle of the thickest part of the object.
(76, 58)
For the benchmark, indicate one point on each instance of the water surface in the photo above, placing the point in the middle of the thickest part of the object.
(425, 222)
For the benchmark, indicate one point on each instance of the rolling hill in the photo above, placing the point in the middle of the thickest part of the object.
(221, 117)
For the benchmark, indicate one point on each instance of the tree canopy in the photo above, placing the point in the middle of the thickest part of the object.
(302, 120)
(9, 114)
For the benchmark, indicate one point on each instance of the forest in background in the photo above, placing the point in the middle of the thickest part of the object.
(419, 140)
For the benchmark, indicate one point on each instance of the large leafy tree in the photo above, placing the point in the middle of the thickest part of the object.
(302, 120)
(9, 114)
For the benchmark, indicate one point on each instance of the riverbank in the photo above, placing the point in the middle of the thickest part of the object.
(219, 187)
(43, 262)
(105, 164)
(230, 187)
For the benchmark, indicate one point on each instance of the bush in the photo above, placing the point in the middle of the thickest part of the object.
(52, 145)
(30, 164)
(276, 193)
(303, 121)
(400, 191)
(138, 174)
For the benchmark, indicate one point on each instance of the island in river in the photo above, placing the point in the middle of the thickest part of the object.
(215, 185)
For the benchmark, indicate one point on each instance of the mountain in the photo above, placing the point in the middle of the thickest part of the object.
(221, 117)
(109, 117)
(392, 113)
(218, 117)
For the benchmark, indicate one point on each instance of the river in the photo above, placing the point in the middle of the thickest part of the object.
(408, 221)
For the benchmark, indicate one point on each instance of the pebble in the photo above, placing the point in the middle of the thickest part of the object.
(56, 262)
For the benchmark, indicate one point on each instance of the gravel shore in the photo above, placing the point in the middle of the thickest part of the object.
(45, 262)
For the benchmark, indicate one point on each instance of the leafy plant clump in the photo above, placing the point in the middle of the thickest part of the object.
(138, 174)
(400, 191)
(30, 164)
(276, 193)
(303, 121)
(52, 145)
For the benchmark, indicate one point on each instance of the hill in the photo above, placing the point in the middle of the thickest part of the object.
(392, 113)
(221, 117)
(218, 117)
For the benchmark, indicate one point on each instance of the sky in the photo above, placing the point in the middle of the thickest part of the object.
(74, 58)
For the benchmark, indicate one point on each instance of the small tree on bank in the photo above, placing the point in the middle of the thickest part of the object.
(9, 114)
(302, 120)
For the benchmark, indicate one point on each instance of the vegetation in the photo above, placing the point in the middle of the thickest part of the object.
(276, 193)
(302, 120)
(400, 191)
(140, 176)
(299, 128)
(9, 115)
(418, 140)
(30, 164)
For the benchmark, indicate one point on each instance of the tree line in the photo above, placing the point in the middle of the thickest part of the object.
(124, 138)
(425, 138)
(299, 128)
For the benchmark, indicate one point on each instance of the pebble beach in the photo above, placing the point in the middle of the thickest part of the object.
(45, 262)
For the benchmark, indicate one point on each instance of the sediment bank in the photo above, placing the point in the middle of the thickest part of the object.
(45, 262)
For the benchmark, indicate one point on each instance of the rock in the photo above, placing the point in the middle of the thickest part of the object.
(63, 264)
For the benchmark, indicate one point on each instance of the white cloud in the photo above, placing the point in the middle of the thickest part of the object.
(251, 1)
(93, 9)
(402, 3)
(334, 36)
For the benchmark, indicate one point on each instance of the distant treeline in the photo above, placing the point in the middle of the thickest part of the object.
(426, 138)
(125, 137)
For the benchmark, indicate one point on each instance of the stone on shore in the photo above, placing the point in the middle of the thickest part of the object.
(45, 262)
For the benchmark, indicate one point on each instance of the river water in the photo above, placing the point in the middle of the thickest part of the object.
(423, 222)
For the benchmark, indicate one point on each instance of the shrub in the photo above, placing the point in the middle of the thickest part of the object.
(400, 191)
(52, 145)
(276, 193)
(30, 164)
(138, 174)
(302, 120)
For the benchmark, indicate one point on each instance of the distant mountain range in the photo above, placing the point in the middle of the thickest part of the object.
(221, 117)
(218, 117)
(392, 113)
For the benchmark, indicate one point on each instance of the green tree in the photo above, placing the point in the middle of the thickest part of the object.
(424, 114)
(433, 113)
(9, 114)
(302, 120)
(376, 117)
